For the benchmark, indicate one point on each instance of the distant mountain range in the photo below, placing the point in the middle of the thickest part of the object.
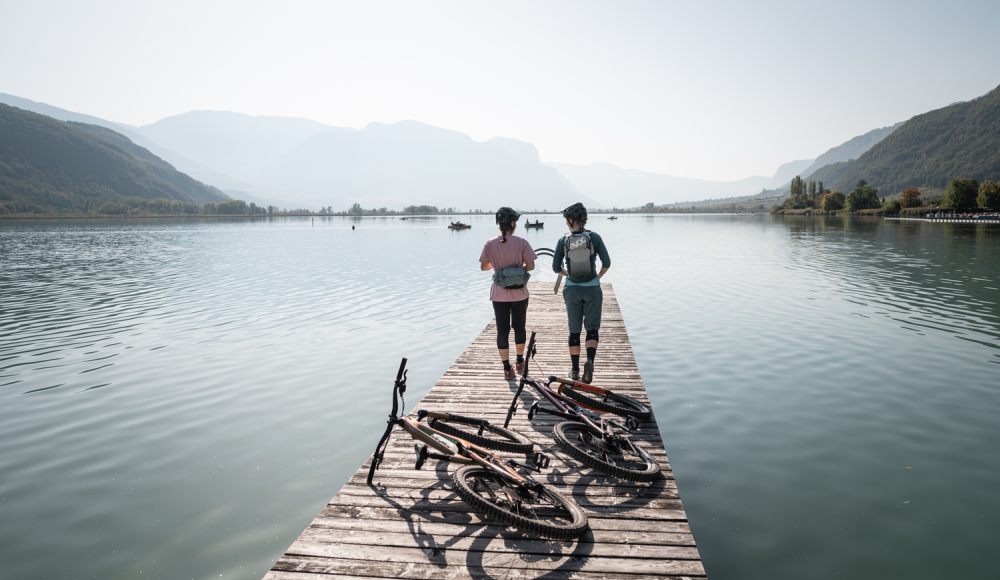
(828, 166)
(310, 164)
(785, 173)
(615, 186)
(54, 165)
(294, 162)
(200, 172)
(929, 150)
(848, 150)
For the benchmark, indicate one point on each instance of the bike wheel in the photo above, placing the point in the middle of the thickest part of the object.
(492, 437)
(621, 405)
(615, 458)
(538, 511)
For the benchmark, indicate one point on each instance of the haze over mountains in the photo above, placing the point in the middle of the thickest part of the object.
(310, 164)
(294, 162)
(181, 163)
(615, 186)
(54, 165)
(929, 150)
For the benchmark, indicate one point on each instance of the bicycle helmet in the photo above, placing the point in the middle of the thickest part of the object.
(576, 213)
(506, 215)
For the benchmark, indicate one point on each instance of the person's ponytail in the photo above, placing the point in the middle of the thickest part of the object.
(504, 226)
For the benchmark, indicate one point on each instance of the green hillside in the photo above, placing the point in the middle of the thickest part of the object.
(929, 150)
(51, 166)
(830, 173)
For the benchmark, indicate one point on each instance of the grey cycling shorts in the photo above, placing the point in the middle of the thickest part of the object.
(583, 305)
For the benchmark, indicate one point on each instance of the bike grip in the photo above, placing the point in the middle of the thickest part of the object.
(402, 366)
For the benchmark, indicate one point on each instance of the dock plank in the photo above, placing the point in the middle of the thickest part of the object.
(412, 524)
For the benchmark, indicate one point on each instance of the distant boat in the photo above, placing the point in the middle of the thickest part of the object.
(537, 224)
(458, 226)
(402, 218)
(612, 218)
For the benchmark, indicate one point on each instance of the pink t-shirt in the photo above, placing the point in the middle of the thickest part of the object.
(510, 254)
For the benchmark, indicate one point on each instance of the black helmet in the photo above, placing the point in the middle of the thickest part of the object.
(575, 212)
(506, 215)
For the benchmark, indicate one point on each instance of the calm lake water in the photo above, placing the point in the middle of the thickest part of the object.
(179, 399)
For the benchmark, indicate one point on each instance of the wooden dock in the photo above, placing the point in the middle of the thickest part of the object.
(946, 220)
(412, 525)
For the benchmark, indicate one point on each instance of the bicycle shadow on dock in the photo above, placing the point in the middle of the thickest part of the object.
(509, 554)
(434, 512)
(491, 550)
(591, 489)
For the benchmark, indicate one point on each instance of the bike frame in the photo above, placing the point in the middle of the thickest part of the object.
(564, 406)
(452, 448)
(579, 385)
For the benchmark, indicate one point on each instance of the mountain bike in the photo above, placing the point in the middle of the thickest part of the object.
(598, 442)
(490, 484)
(608, 402)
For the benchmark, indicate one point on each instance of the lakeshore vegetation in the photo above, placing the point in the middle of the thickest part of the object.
(962, 194)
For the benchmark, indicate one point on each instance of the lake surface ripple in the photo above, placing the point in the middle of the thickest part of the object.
(180, 399)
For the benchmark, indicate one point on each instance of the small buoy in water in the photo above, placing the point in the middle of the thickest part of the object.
(352, 227)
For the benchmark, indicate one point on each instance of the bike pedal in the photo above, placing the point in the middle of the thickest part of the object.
(541, 460)
(632, 423)
(532, 411)
(422, 451)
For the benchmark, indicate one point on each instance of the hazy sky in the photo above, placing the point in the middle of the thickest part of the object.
(718, 90)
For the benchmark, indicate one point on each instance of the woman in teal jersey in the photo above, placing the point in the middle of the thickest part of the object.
(575, 257)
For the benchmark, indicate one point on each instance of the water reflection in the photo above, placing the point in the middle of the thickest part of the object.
(181, 398)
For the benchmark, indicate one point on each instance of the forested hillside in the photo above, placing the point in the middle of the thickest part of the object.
(848, 150)
(929, 150)
(830, 173)
(52, 166)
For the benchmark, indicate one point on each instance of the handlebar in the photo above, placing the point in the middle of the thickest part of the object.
(398, 388)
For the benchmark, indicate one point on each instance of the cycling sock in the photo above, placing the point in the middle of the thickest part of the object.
(506, 364)
(520, 358)
(576, 361)
(591, 353)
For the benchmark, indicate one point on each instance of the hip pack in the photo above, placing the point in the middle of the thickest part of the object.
(579, 250)
(511, 278)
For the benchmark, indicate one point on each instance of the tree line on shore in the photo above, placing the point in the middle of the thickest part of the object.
(961, 194)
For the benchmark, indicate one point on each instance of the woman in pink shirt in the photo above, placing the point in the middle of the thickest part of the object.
(510, 304)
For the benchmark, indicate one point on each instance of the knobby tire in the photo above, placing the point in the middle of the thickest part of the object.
(493, 437)
(567, 437)
(621, 405)
(558, 518)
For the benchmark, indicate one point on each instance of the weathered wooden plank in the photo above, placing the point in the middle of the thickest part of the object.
(480, 526)
(512, 558)
(597, 521)
(303, 567)
(317, 541)
(411, 524)
(455, 505)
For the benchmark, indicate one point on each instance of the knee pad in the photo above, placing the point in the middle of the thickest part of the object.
(574, 339)
(591, 335)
